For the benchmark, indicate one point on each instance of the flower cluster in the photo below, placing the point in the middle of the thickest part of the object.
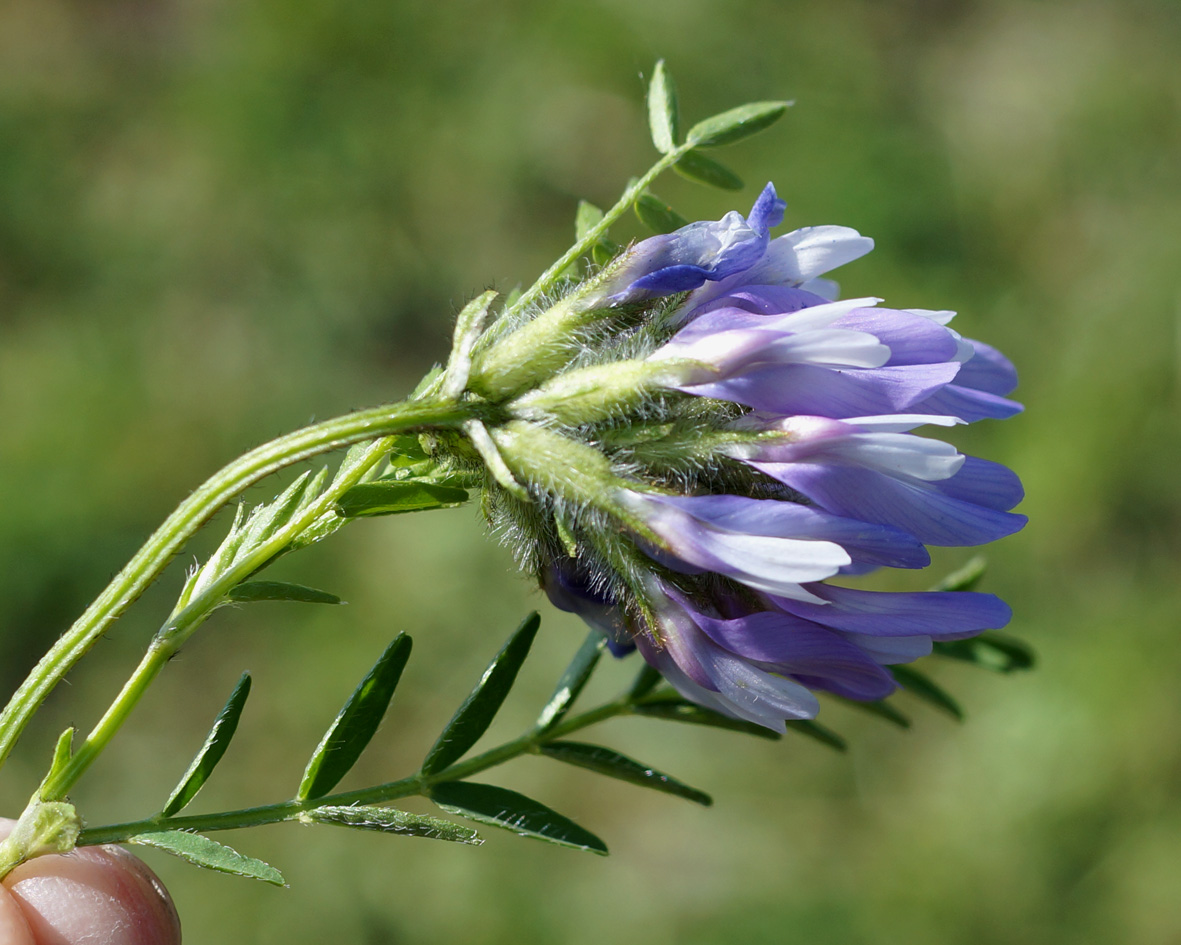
(698, 437)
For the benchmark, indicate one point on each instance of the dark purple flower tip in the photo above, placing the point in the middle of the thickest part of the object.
(767, 212)
(570, 591)
(695, 254)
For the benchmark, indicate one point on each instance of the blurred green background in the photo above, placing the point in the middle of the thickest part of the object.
(219, 220)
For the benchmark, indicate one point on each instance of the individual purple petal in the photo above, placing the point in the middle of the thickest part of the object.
(821, 391)
(891, 650)
(748, 690)
(827, 289)
(767, 212)
(569, 593)
(922, 509)
(770, 557)
(852, 682)
(795, 259)
(759, 300)
(800, 648)
(719, 318)
(969, 405)
(988, 371)
(821, 440)
(938, 614)
(729, 352)
(733, 657)
(912, 339)
(768, 541)
(979, 388)
(750, 706)
(984, 483)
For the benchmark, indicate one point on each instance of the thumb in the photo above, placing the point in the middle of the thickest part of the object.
(97, 895)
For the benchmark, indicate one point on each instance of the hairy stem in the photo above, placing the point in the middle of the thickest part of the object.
(181, 626)
(194, 512)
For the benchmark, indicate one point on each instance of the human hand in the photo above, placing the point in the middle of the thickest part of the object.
(93, 895)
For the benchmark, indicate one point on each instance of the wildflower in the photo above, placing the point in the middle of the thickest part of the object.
(705, 437)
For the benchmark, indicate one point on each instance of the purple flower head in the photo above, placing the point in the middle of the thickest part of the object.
(763, 439)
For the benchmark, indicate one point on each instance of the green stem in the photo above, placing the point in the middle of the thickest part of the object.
(406, 787)
(194, 512)
(551, 276)
(181, 626)
(592, 236)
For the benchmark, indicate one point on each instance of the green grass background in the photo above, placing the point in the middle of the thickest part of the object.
(219, 220)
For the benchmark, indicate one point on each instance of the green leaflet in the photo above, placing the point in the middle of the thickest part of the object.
(391, 820)
(210, 754)
(647, 679)
(62, 753)
(883, 710)
(390, 497)
(614, 765)
(966, 577)
(705, 170)
(924, 688)
(525, 817)
(996, 651)
(201, 851)
(472, 718)
(681, 710)
(662, 110)
(356, 724)
(572, 681)
(587, 218)
(820, 733)
(604, 251)
(736, 124)
(657, 215)
(280, 590)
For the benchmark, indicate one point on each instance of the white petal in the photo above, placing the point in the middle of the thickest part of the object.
(902, 453)
(901, 422)
(832, 346)
(804, 254)
(818, 316)
(774, 565)
(724, 350)
(825, 288)
(942, 316)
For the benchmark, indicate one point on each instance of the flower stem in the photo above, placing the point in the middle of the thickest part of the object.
(181, 626)
(551, 276)
(194, 512)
